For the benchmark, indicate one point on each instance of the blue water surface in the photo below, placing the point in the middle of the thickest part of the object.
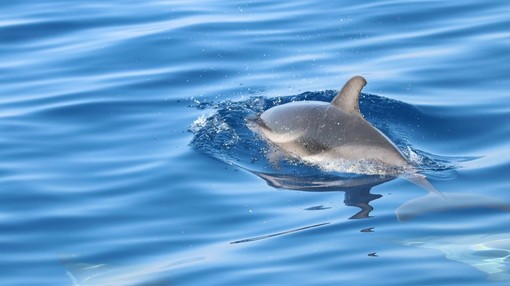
(125, 157)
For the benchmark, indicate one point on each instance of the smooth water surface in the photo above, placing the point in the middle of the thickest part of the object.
(125, 158)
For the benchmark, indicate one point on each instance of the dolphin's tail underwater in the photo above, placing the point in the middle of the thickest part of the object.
(436, 201)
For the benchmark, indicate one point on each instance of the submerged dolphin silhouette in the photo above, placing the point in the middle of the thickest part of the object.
(316, 131)
(100, 274)
(489, 253)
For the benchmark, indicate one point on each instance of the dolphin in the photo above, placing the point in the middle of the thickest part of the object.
(318, 132)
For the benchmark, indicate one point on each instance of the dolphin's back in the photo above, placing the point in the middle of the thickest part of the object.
(293, 117)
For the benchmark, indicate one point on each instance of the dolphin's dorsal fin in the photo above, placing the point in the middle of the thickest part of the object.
(348, 98)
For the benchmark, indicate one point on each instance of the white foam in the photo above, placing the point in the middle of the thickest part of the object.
(414, 157)
(365, 167)
(198, 124)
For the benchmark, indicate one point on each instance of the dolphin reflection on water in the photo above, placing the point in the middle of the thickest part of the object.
(357, 189)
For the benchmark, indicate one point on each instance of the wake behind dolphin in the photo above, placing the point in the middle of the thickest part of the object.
(323, 133)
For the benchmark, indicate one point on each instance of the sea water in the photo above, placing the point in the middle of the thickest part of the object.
(125, 157)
